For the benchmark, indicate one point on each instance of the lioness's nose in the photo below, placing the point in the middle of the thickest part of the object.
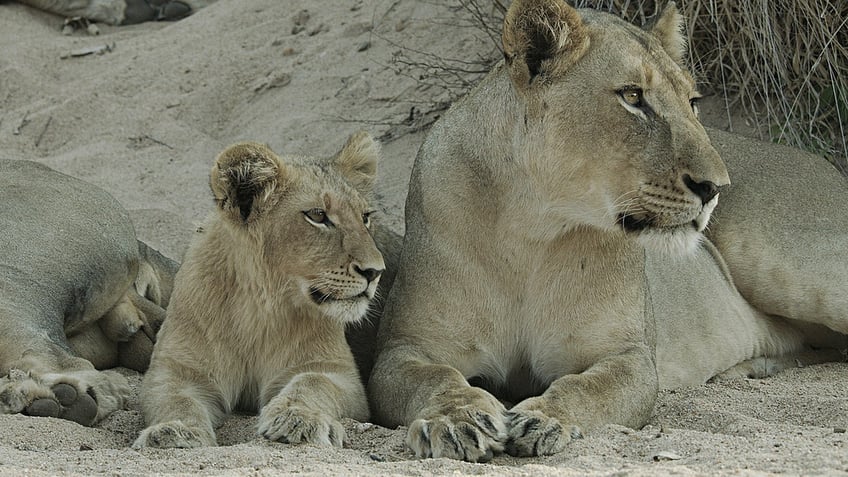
(370, 274)
(706, 190)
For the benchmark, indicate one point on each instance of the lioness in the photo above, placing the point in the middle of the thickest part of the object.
(120, 12)
(557, 210)
(78, 293)
(258, 316)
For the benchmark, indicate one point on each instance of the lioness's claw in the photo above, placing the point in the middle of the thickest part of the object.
(532, 433)
(469, 435)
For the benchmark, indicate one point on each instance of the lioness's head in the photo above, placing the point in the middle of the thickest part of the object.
(611, 130)
(309, 219)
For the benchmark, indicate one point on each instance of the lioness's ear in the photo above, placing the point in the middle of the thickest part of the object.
(668, 28)
(541, 38)
(243, 180)
(357, 161)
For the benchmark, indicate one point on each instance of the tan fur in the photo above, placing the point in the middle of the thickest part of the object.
(554, 255)
(72, 299)
(261, 301)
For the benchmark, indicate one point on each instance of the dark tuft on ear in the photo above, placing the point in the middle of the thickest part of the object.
(542, 37)
(243, 180)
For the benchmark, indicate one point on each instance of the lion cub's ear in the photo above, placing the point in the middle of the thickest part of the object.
(668, 28)
(542, 38)
(243, 180)
(357, 161)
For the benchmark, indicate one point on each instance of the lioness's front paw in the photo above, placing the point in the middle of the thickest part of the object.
(532, 433)
(170, 435)
(297, 424)
(468, 434)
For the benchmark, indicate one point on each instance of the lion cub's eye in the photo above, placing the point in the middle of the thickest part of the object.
(366, 219)
(632, 96)
(317, 217)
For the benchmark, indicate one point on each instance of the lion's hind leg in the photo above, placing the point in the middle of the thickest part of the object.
(766, 366)
(84, 396)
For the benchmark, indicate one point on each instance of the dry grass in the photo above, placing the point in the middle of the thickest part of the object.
(782, 63)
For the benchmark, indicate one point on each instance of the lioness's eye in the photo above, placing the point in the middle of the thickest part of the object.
(632, 96)
(366, 219)
(317, 217)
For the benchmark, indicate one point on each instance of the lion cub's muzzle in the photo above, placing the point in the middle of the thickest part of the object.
(355, 283)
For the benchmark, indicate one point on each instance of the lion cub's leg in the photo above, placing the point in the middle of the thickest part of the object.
(306, 404)
(181, 406)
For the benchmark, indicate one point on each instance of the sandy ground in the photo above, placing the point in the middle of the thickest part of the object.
(145, 120)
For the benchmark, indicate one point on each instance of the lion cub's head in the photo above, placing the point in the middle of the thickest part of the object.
(304, 223)
(610, 113)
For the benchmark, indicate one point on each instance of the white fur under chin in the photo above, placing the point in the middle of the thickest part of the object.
(346, 311)
(676, 243)
(679, 241)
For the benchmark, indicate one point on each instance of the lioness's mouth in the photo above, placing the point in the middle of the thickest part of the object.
(632, 223)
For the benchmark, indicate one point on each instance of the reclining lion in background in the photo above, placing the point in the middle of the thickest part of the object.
(258, 317)
(120, 12)
(78, 293)
(554, 255)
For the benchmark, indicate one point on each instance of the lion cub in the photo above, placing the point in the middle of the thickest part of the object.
(257, 318)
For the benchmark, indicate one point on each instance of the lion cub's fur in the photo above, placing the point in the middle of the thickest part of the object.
(257, 320)
(554, 254)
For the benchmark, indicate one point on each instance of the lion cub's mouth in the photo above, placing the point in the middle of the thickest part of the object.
(320, 297)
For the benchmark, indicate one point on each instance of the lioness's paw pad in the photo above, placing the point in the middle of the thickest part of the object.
(532, 433)
(169, 435)
(25, 394)
(294, 425)
(66, 403)
(470, 435)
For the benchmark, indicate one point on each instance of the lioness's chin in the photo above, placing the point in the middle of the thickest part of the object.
(675, 241)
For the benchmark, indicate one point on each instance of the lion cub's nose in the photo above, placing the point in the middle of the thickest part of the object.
(370, 274)
(706, 190)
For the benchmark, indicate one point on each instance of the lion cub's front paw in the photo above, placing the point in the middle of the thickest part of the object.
(170, 435)
(468, 434)
(297, 424)
(532, 433)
